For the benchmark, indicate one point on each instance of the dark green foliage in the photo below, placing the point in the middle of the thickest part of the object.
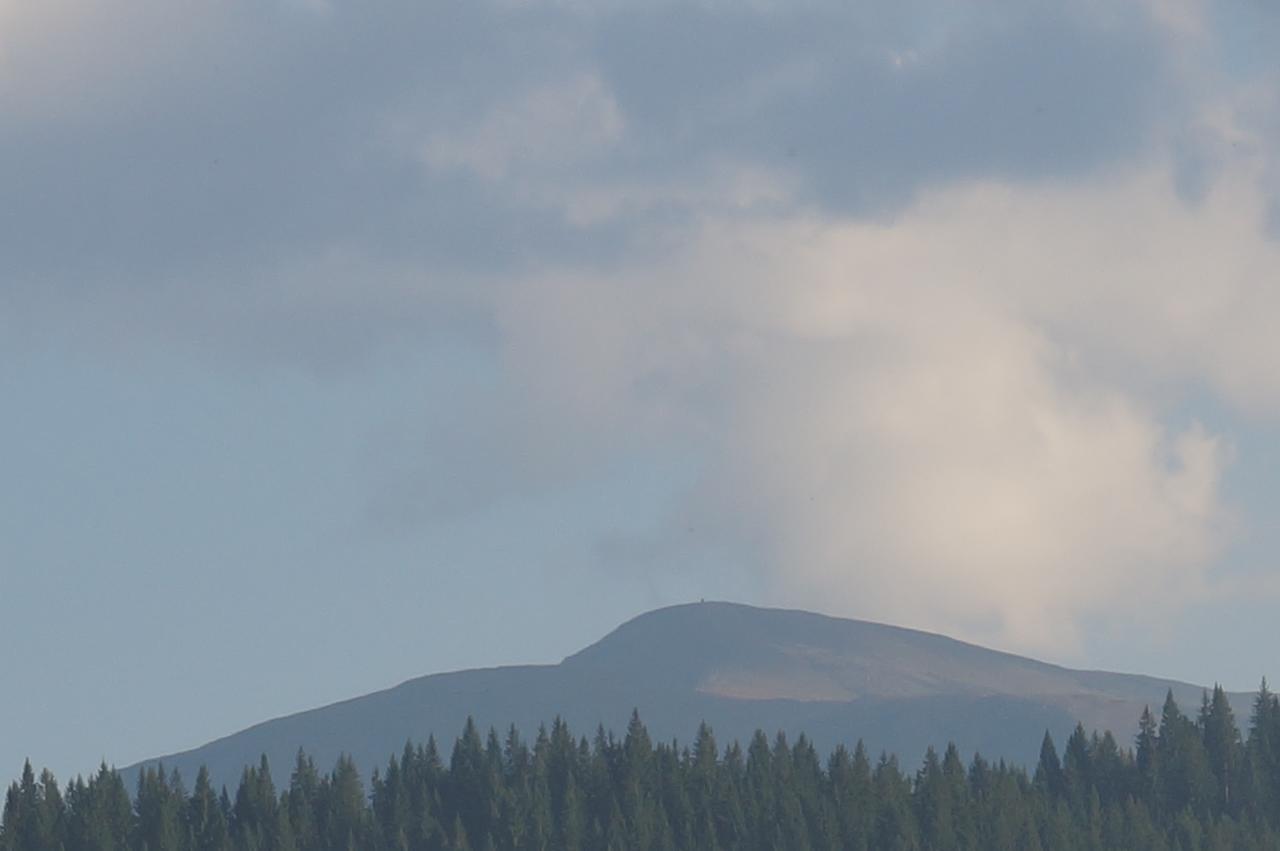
(1262, 755)
(1188, 784)
(1184, 780)
(1223, 749)
(205, 819)
(161, 806)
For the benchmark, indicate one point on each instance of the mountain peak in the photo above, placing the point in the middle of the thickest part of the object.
(750, 653)
(739, 668)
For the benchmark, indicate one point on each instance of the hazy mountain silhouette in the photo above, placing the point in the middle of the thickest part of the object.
(739, 668)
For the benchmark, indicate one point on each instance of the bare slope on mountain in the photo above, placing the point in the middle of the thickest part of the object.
(739, 668)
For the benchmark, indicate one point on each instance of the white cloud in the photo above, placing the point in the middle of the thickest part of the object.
(958, 420)
(1132, 276)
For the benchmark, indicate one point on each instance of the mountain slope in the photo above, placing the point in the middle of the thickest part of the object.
(739, 668)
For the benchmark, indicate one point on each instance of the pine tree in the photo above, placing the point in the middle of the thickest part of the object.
(460, 841)
(303, 800)
(206, 823)
(1223, 746)
(159, 805)
(1048, 775)
(570, 821)
(34, 815)
(850, 779)
(934, 805)
(631, 794)
(895, 824)
(1147, 758)
(1263, 754)
(346, 805)
(1114, 774)
(1077, 768)
(1184, 777)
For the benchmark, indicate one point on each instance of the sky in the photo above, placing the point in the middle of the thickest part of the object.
(343, 343)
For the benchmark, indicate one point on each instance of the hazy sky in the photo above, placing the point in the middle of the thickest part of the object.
(342, 343)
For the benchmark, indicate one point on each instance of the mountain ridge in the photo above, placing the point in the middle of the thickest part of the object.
(739, 668)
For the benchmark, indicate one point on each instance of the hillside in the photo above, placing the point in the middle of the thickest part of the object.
(739, 668)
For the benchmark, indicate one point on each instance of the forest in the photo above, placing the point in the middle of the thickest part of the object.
(1186, 782)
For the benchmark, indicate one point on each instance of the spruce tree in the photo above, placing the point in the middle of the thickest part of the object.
(1263, 753)
(206, 823)
(1184, 778)
(630, 794)
(1223, 747)
(1048, 776)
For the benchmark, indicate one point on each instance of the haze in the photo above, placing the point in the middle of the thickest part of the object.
(341, 343)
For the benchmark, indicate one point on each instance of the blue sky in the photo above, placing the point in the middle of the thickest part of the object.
(341, 344)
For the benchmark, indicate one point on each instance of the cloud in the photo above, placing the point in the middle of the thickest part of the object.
(553, 126)
(148, 141)
(868, 107)
(75, 64)
(958, 420)
(918, 288)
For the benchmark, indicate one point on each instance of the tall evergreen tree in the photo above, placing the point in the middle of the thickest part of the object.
(206, 823)
(1263, 752)
(1223, 748)
(1184, 777)
(1048, 776)
(160, 803)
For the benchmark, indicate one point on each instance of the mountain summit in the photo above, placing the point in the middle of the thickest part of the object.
(739, 668)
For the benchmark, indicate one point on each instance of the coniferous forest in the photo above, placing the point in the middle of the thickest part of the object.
(1185, 783)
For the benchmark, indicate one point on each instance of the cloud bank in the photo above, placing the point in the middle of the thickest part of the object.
(923, 292)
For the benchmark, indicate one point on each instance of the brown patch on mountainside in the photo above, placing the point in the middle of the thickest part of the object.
(775, 685)
(739, 669)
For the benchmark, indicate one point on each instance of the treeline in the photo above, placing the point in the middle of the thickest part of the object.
(1186, 784)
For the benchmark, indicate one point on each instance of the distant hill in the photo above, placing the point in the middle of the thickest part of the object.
(739, 668)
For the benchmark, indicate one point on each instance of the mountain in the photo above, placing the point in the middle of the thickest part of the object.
(739, 668)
